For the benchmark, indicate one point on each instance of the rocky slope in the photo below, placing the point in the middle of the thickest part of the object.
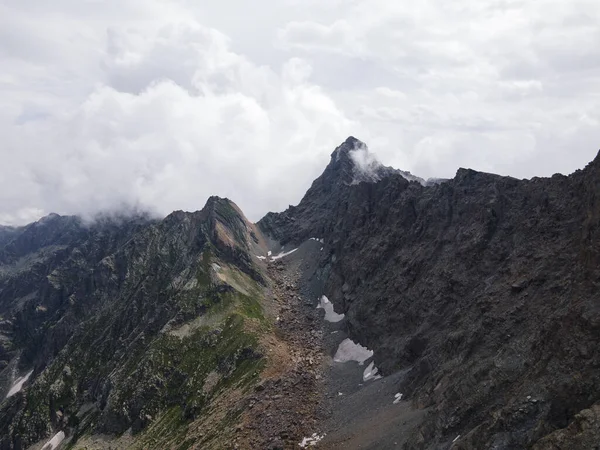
(483, 289)
(136, 326)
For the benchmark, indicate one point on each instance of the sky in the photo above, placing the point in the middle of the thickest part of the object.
(147, 104)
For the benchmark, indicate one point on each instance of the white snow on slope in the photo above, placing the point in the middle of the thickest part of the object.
(282, 254)
(18, 385)
(53, 443)
(311, 441)
(397, 398)
(370, 372)
(351, 351)
(261, 257)
(330, 314)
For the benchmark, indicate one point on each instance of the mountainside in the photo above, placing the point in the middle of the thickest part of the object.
(126, 322)
(484, 289)
(477, 295)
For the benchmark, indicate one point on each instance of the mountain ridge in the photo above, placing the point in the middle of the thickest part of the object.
(404, 263)
(477, 296)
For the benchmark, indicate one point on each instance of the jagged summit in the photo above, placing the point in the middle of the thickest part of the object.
(341, 166)
(353, 163)
(344, 149)
(214, 201)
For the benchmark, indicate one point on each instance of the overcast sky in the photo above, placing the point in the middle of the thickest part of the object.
(159, 104)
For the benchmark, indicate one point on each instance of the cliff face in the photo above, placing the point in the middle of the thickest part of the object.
(122, 322)
(484, 288)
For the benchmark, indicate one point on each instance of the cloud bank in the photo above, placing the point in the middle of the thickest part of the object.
(158, 105)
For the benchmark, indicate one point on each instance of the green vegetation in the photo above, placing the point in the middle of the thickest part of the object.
(147, 378)
(181, 369)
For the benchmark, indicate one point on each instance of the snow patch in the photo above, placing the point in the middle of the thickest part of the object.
(351, 351)
(397, 398)
(311, 441)
(370, 372)
(456, 438)
(269, 253)
(261, 257)
(330, 314)
(53, 443)
(18, 385)
(282, 254)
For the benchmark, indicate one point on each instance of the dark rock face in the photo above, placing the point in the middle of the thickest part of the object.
(485, 286)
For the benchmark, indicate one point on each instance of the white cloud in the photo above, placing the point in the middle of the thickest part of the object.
(390, 93)
(163, 136)
(338, 37)
(160, 104)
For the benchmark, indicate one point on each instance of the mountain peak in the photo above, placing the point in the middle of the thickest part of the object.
(214, 201)
(353, 163)
(351, 144)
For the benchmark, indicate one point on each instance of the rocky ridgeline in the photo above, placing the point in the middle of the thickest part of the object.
(484, 288)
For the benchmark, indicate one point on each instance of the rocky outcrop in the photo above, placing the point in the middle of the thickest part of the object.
(484, 287)
(582, 432)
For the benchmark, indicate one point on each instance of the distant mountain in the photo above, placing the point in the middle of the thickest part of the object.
(7, 233)
(478, 296)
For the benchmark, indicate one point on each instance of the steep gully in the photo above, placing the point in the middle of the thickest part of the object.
(314, 394)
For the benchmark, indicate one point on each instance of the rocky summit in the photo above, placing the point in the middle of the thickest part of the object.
(383, 311)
